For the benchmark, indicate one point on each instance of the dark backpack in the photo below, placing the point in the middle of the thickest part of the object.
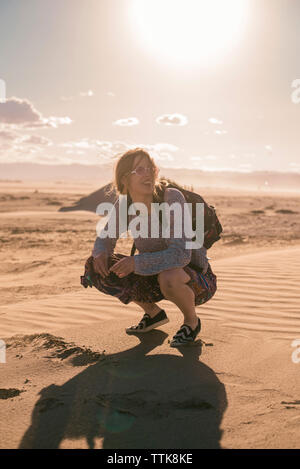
(212, 225)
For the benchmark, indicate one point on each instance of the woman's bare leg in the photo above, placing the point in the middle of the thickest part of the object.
(150, 308)
(173, 286)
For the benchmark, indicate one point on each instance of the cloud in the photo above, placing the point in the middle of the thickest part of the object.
(4, 147)
(109, 150)
(163, 156)
(214, 120)
(17, 145)
(84, 143)
(159, 151)
(128, 122)
(18, 112)
(104, 145)
(159, 147)
(164, 147)
(75, 152)
(21, 113)
(17, 138)
(85, 94)
(199, 161)
(106, 149)
(112, 150)
(81, 94)
(172, 119)
(35, 140)
(35, 148)
(121, 147)
(196, 158)
(8, 135)
(56, 121)
(221, 132)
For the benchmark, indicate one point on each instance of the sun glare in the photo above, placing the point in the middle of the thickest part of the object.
(189, 31)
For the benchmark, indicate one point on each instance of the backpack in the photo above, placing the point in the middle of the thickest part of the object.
(212, 225)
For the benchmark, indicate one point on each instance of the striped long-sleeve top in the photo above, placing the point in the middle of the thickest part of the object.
(155, 254)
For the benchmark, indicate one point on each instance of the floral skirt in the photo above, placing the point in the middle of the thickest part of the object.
(145, 289)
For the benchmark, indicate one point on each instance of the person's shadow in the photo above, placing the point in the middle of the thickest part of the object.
(134, 400)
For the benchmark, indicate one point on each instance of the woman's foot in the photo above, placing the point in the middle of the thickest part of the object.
(148, 323)
(192, 323)
(185, 335)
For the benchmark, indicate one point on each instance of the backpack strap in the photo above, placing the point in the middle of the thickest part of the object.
(133, 249)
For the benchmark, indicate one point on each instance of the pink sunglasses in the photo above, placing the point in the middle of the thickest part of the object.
(141, 171)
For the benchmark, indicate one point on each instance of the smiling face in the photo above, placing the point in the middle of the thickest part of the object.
(136, 174)
(141, 180)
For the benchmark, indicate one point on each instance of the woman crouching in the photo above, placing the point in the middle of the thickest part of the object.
(161, 268)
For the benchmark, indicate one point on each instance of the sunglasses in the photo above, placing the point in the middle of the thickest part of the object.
(141, 171)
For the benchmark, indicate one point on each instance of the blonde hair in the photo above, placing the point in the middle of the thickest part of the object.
(125, 165)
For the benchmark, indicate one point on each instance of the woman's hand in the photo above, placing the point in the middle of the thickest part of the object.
(100, 264)
(123, 267)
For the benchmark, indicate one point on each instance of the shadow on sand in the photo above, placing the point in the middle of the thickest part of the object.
(134, 400)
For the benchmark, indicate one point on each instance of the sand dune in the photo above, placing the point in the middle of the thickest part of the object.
(259, 292)
(74, 379)
(241, 392)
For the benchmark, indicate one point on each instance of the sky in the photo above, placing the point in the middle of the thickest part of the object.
(197, 84)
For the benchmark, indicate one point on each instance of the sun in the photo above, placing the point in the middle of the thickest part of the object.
(189, 31)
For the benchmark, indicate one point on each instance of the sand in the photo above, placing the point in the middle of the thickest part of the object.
(74, 379)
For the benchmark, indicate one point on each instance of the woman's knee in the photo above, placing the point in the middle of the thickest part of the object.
(171, 280)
